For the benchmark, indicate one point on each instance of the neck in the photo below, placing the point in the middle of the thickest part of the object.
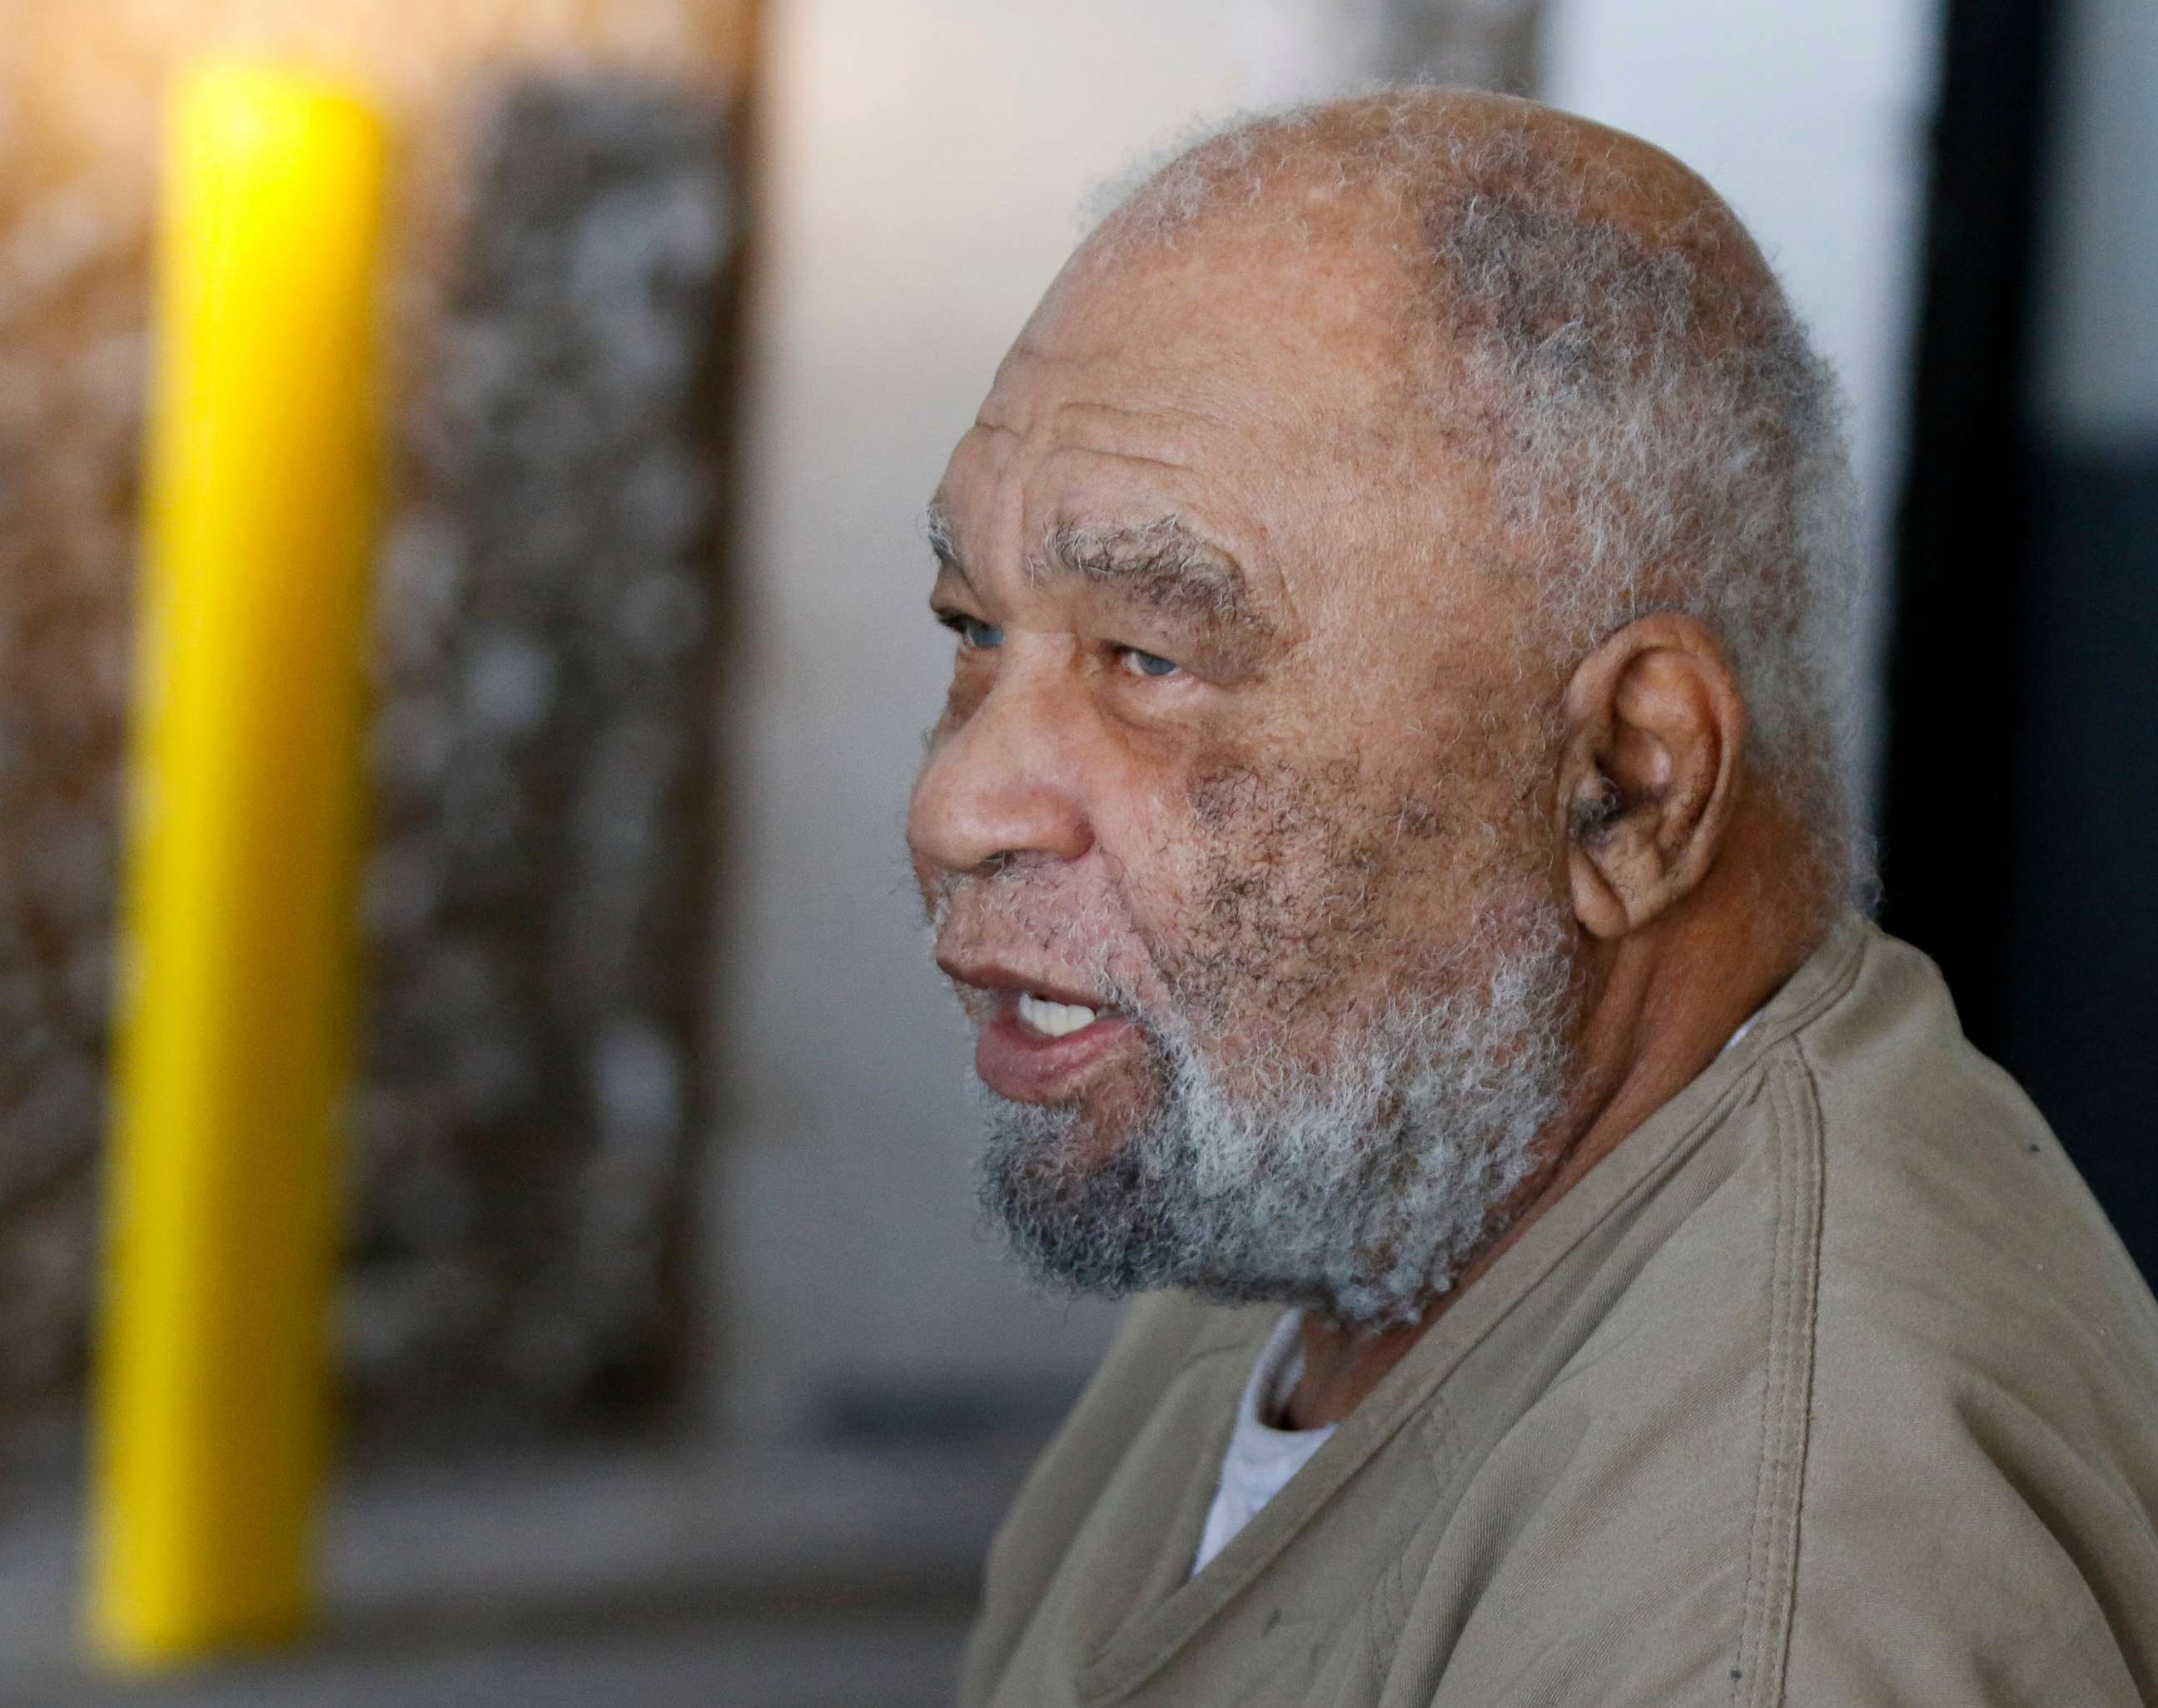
(1666, 999)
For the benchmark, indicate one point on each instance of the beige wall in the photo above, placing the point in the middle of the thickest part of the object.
(925, 159)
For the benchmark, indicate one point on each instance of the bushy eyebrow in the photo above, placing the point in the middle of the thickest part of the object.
(942, 545)
(1163, 564)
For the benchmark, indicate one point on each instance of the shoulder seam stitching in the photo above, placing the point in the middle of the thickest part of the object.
(1786, 1389)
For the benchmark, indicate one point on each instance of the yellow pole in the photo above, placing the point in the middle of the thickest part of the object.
(235, 974)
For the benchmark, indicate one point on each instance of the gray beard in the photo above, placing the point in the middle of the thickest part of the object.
(1357, 1189)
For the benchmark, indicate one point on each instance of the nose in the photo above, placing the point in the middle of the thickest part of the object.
(1005, 784)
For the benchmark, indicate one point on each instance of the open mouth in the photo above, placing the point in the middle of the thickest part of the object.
(1053, 1020)
(1036, 1047)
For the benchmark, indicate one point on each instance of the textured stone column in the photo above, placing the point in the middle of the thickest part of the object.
(547, 631)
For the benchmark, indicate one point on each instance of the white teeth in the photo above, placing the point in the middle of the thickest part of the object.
(1052, 1020)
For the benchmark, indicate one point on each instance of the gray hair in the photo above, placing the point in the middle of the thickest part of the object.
(1660, 432)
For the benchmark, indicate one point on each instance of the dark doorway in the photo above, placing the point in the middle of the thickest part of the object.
(2021, 830)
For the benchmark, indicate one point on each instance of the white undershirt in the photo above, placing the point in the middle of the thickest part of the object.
(1261, 1459)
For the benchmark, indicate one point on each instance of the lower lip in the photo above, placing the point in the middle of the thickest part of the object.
(1018, 1062)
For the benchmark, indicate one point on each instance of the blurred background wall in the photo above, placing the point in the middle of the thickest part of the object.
(548, 625)
(923, 166)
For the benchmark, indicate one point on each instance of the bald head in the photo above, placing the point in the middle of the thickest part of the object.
(1570, 324)
(1371, 160)
(1452, 192)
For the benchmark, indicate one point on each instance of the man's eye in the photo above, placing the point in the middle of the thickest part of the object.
(974, 634)
(1148, 663)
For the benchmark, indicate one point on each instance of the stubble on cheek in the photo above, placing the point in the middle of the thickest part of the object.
(1294, 873)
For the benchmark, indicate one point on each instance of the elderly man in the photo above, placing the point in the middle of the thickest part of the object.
(1388, 827)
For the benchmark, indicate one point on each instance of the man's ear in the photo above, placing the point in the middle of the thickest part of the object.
(1649, 773)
